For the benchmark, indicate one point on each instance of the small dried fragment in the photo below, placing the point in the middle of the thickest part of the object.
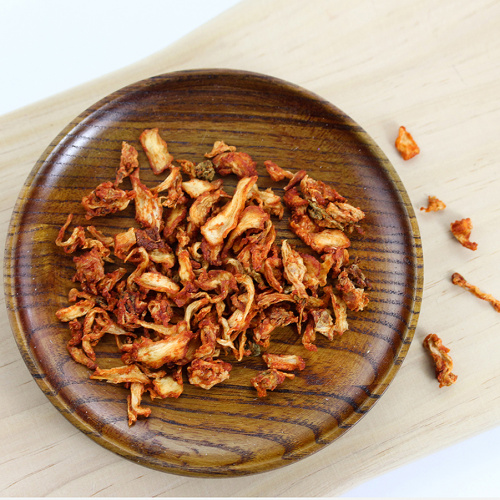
(134, 408)
(128, 162)
(156, 150)
(285, 362)
(237, 163)
(442, 360)
(205, 373)
(433, 205)
(268, 380)
(462, 229)
(458, 279)
(406, 145)
(106, 199)
(276, 172)
(218, 148)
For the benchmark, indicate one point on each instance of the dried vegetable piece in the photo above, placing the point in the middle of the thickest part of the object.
(276, 172)
(406, 145)
(206, 373)
(106, 199)
(433, 205)
(134, 408)
(268, 380)
(285, 362)
(442, 360)
(156, 150)
(462, 229)
(237, 163)
(203, 275)
(128, 162)
(458, 279)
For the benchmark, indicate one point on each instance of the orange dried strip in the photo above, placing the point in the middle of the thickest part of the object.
(406, 145)
(433, 205)
(442, 360)
(458, 279)
(462, 229)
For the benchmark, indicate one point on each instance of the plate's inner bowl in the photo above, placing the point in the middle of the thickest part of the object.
(228, 429)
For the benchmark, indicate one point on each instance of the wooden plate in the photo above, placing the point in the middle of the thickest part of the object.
(227, 430)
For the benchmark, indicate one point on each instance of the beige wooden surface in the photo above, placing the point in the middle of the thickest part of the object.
(431, 66)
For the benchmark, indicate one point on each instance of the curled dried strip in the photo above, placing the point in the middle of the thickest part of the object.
(134, 399)
(433, 205)
(75, 311)
(75, 240)
(462, 229)
(406, 145)
(442, 360)
(219, 226)
(218, 148)
(458, 279)
(121, 374)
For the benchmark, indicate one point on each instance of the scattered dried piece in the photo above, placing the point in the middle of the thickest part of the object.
(458, 279)
(442, 360)
(434, 205)
(462, 229)
(406, 145)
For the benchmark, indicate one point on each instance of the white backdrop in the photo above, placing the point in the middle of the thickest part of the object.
(48, 46)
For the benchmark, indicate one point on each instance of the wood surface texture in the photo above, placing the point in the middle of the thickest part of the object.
(431, 67)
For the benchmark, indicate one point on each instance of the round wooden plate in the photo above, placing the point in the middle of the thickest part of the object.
(227, 430)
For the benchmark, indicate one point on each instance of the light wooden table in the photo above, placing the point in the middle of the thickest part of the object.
(432, 66)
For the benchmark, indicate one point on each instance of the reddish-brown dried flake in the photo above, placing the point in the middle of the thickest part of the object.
(206, 373)
(406, 145)
(433, 205)
(268, 380)
(156, 150)
(285, 362)
(233, 162)
(462, 229)
(106, 199)
(128, 162)
(276, 172)
(442, 360)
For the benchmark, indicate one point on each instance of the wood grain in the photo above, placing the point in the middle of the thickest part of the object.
(431, 67)
(227, 430)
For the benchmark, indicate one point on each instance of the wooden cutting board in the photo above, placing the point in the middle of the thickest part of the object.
(433, 67)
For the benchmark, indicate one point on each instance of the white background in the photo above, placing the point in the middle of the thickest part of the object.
(48, 46)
